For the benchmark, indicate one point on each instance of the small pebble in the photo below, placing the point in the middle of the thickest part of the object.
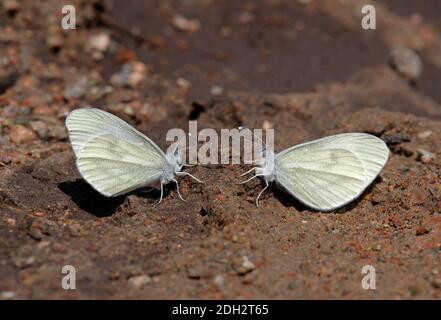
(183, 84)
(139, 281)
(425, 156)
(396, 138)
(418, 197)
(194, 271)
(98, 45)
(406, 62)
(11, 6)
(216, 90)
(249, 278)
(23, 258)
(40, 128)
(424, 134)
(77, 89)
(57, 132)
(131, 74)
(226, 32)
(7, 295)
(35, 233)
(43, 111)
(20, 134)
(243, 265)
(39, 213)
(219, 281)
(99, 42)
(245, 17)
(54, 41)
(10, 221)
(183, 24)
(267, 125)
(420, 231)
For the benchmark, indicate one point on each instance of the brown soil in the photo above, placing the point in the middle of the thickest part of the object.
(308, 70)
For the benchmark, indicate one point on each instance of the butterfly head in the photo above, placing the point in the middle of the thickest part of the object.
(175, 160)
(266, 165)
(174, 165)
(265, 168)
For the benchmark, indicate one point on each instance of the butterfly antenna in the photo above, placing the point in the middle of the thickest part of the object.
(245, 173)
(260, 193)
(248, 180)
(189, 165)
(177, 188)
(254, 161)
(162, 192)
(186, 165)
(264, 147)
(254, 135)
(190, 175)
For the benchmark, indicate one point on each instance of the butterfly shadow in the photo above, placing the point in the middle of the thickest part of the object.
(289, 201)
(91, 201)
(286, 199)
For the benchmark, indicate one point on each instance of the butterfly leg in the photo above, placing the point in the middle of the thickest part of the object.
(162, 192)
(257, 199)
(177, 188)
(182, 173)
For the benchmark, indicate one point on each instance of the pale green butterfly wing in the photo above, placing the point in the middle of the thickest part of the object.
(327, 173)
(112, 156)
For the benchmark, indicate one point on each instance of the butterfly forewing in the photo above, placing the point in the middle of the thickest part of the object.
(111, 155)
(84, 124)
(328, 173)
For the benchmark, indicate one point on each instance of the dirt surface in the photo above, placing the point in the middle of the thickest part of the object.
(305, 68)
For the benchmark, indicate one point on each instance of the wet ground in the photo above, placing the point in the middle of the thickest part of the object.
(305, 68)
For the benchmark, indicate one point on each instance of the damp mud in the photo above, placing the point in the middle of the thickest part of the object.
(304, 68)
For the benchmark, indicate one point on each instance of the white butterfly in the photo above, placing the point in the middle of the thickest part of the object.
(115, 158)
(327, 173)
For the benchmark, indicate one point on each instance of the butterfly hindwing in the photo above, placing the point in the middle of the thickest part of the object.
(330, 172)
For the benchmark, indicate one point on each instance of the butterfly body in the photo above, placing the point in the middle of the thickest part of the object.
(267, 169)
(173, 167)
